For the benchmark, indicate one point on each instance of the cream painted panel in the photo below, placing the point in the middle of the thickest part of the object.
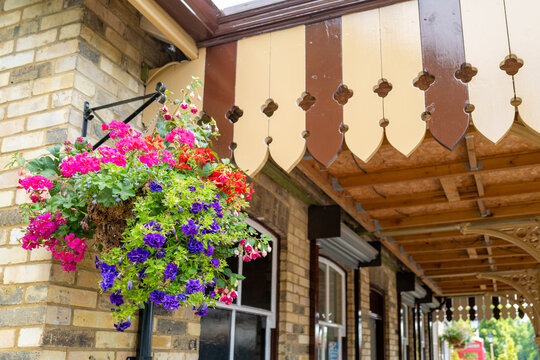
(490, 91)
(176, 76)
(287, 82)
(401, 62)
(252, 88)
(361, 71)
(524, 35)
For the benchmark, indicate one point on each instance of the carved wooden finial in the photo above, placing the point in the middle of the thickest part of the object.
(511, 64)
(343, 94)
(234, 114)
(305, 134)
(268, 140)
(384, 122)
(424, 80)
(305, 101)
(382, 88)
(469, 108)
(202, 118)
(343, 128)
(426, 116)
(466, 72)
(269, 107)
(515, 101)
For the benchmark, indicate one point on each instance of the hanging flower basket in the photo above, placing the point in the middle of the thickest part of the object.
(456, 336)
(163, 211)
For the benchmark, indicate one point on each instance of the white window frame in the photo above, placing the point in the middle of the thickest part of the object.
(405, 330)
(341, 327)
(238, 307)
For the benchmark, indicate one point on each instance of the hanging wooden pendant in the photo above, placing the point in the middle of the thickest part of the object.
(323, 77)
(219, 93)
(443, 53)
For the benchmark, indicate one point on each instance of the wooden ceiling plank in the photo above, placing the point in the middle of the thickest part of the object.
(445, 273)
(429, 198)
(489, 259)
(512, 161)
(447, 266)
(450, 189)
(523, 209)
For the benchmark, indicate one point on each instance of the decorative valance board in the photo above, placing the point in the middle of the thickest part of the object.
(391, 72)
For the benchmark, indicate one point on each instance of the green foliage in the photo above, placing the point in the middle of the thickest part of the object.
(512, 339)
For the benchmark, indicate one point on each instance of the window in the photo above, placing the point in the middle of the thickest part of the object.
(376, 324)
(404, 324)
(241, 331)
(330, 328)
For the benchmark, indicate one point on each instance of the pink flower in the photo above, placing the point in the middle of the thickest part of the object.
(131, 143)
(167, 158)
(167, 116)
(193, 109)
(81, 163)
(184, 105)
(150, 159)
(118, 129)
(111, 155)
(182, 135)
(41, 227)
(36, 182)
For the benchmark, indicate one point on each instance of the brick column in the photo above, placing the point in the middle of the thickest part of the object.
(54, 55)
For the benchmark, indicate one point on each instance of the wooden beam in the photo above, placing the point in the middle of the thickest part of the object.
(471, 151)
(198, 17)
(461, 255)
(513, 161)
(450, 189)
(459, 216)
(445, 273)
(470, 194)
(168, 26)
(471, 264)
(444, 247)
(472, 253)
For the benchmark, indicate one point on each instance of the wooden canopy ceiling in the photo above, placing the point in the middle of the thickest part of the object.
(418, 204)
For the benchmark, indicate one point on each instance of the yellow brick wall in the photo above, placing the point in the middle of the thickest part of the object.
(54, 55)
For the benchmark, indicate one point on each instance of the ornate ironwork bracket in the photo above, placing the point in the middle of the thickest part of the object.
(524, 234)
(527, 285)
(89, 113)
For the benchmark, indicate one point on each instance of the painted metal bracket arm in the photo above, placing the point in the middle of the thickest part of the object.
(89, 112)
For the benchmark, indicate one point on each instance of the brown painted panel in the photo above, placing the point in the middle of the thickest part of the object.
(220, 76)
(443, 53)
(323, 76)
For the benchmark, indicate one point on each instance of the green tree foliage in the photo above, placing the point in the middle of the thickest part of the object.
(512, 339)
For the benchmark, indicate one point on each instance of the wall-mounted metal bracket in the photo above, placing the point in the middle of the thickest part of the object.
(91, 112)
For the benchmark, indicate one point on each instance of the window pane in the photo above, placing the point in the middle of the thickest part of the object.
(215, 334)
(250, 337)
(257, 286)
(333, 352)
(335, 290)
(322, 292)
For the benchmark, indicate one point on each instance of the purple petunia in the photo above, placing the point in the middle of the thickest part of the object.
(122, 326)
(192, 188)
(209, 251)
(179, 208)
(215, 262)
(155, 186)
(108, 274)
(161, 253)
(202, 310)
(171, 302)
(154, 225)
(157, 296)
(129, 285)
(142, 274)
(191, 228)
(170, 271)
(193, 286)
(155, 240)
(196, 208)
(214, 227)
(116, 298)
(195, 246)
(138, 255)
